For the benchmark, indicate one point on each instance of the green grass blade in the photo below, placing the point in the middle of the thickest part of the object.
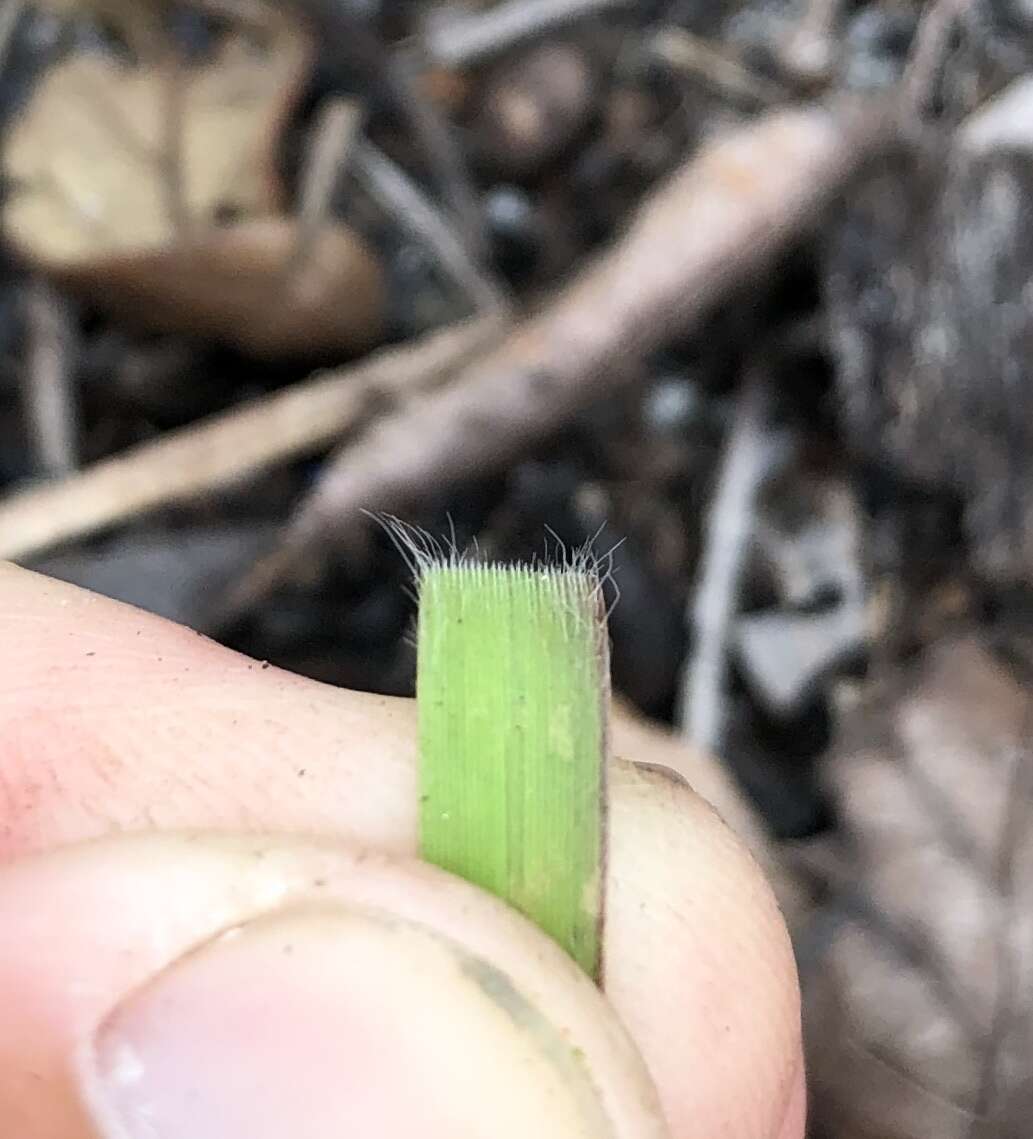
(512, 688)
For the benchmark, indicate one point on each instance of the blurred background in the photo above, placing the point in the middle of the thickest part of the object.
(736, 296)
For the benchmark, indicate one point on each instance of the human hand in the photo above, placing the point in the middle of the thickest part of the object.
(248, 948)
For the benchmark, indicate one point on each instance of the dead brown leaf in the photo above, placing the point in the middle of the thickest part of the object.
(86, 161)
(919, 1013)
(149, 189)
(245, 285)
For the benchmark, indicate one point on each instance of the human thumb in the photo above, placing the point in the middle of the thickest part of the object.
(209, 987)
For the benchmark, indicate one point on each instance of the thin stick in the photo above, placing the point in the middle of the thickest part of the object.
(748, 461)
(406, 203)
(683, 51)
(226, 448)
(332, 144)
(49, 398)
(173, 77)
(928, 50)
(250, 13)
(437, 140)
(712, 225)
(355, 50)
(454, 42)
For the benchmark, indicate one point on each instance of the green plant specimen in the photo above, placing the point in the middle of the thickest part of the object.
(513, 688)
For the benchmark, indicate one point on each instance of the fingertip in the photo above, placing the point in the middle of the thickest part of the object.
(794, 1125)
(375, 947)
(112, 719)
(700, 965)
(315, 1021)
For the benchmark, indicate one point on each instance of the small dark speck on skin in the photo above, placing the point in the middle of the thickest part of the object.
(93, 654)
(319, 883)
(265, 665)
(301, 772)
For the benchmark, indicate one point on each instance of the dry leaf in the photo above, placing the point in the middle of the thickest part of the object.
(86, 160)
(124, 210)
(920, 1014)
(245, 285)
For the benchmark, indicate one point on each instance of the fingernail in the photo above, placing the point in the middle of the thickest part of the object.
(315, 1025)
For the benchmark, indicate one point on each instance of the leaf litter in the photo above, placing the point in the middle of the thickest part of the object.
(183, 227)
(920, 1009)
(644, 209)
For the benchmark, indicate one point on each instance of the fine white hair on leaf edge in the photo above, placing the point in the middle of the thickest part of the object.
(422, 552)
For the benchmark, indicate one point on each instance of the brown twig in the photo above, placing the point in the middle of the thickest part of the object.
(460, 41)
(48, 396)
(399, 195)
(228, 447)
(716, 222)
(249, 13)
(928, 51)
(358, 52)
(332, 144)
(437, 140)
(174, 79)
(751, 456)
(681, 50)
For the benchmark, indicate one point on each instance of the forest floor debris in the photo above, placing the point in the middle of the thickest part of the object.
(508, 269)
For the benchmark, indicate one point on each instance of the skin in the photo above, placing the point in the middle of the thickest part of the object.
(157, 791)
